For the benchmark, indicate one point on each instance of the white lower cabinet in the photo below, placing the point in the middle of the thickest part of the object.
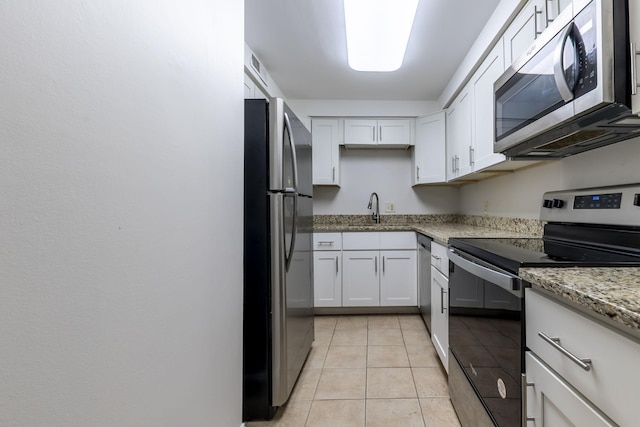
(440, 315)
(552, 402)
(398, 282)
(327, 273)
(365, 269)
(582, 372)
(361, 279)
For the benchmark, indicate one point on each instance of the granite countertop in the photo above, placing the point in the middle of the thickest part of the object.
(440, 232)
(611, 294)
(607, 291)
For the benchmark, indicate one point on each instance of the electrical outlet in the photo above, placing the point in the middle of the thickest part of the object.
(486, 207)
(390, 207)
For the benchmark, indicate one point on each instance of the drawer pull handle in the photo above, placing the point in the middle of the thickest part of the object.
(436, 257)
(555, 343)
(523, 395)
(325, 242)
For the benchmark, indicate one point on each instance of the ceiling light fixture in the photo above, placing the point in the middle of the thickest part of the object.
(378, 32)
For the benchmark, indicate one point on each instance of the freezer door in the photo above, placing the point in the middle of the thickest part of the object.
(292, 292)
(299, 295)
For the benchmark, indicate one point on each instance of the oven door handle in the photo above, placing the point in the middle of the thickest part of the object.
(505, 281)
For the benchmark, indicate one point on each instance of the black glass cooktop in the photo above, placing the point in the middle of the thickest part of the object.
(512, 254)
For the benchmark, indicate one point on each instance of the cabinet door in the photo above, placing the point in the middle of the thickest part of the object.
(554, 8)
(327, 278)
(439, 258)
(459, 135)
(248, 87)
(326, 151)
(362, 132)
(440, 316)
(524, 30)
(482, 155)
(429, 155)
(360, 278)
(551, 402)
(399, 279)
(394, 132)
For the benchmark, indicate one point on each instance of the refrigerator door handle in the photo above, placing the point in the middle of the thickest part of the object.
(294, 232)
(294, 165)
(287, 125)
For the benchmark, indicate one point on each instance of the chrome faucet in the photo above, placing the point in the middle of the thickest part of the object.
(375, 215)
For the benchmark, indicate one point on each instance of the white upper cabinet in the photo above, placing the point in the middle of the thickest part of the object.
(482, 155)
(251, 90)
(534, 18)
(429, 155)
(527, 26)
(459, 135)
(326, 151)
(389, 133)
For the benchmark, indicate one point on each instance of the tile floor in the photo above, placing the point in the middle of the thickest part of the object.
(373, 371)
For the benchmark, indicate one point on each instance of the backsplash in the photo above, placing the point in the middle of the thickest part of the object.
(518, 225)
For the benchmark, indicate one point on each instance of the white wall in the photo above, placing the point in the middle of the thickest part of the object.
(491, 32)
(519, 194)
(121, 254)
(388, 173)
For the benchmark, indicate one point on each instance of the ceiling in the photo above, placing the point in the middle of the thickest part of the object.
(302, 45)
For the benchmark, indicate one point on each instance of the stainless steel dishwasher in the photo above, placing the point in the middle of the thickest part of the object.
(424, 278)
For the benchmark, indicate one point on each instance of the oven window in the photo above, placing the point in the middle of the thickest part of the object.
(485, 339)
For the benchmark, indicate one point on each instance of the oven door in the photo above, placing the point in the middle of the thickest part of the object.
(486, 330)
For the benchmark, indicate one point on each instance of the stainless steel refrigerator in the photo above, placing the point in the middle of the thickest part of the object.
(278, 257)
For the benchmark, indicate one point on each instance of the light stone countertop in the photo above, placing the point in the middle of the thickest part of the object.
(440, 232)
(611, 294)
(607, 291)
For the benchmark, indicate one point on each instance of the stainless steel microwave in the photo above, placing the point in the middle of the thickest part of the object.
(571, 91)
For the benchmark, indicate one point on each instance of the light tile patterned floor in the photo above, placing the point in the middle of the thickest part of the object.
(369, 371)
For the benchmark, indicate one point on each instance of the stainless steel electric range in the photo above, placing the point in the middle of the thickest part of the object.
(587, 227)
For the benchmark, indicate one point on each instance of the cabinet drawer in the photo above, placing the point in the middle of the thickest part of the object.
(398, 240)
(439, 258)
(553, 402)
(612, 380)
(327, 241)
(361, 241)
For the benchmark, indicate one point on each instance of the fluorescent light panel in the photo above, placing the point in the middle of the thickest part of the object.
(378, 32)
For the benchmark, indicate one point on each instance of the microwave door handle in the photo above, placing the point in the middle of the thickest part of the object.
(558, 64)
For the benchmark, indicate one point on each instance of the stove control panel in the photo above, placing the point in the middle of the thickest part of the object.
(614, 205)
(598, 201)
